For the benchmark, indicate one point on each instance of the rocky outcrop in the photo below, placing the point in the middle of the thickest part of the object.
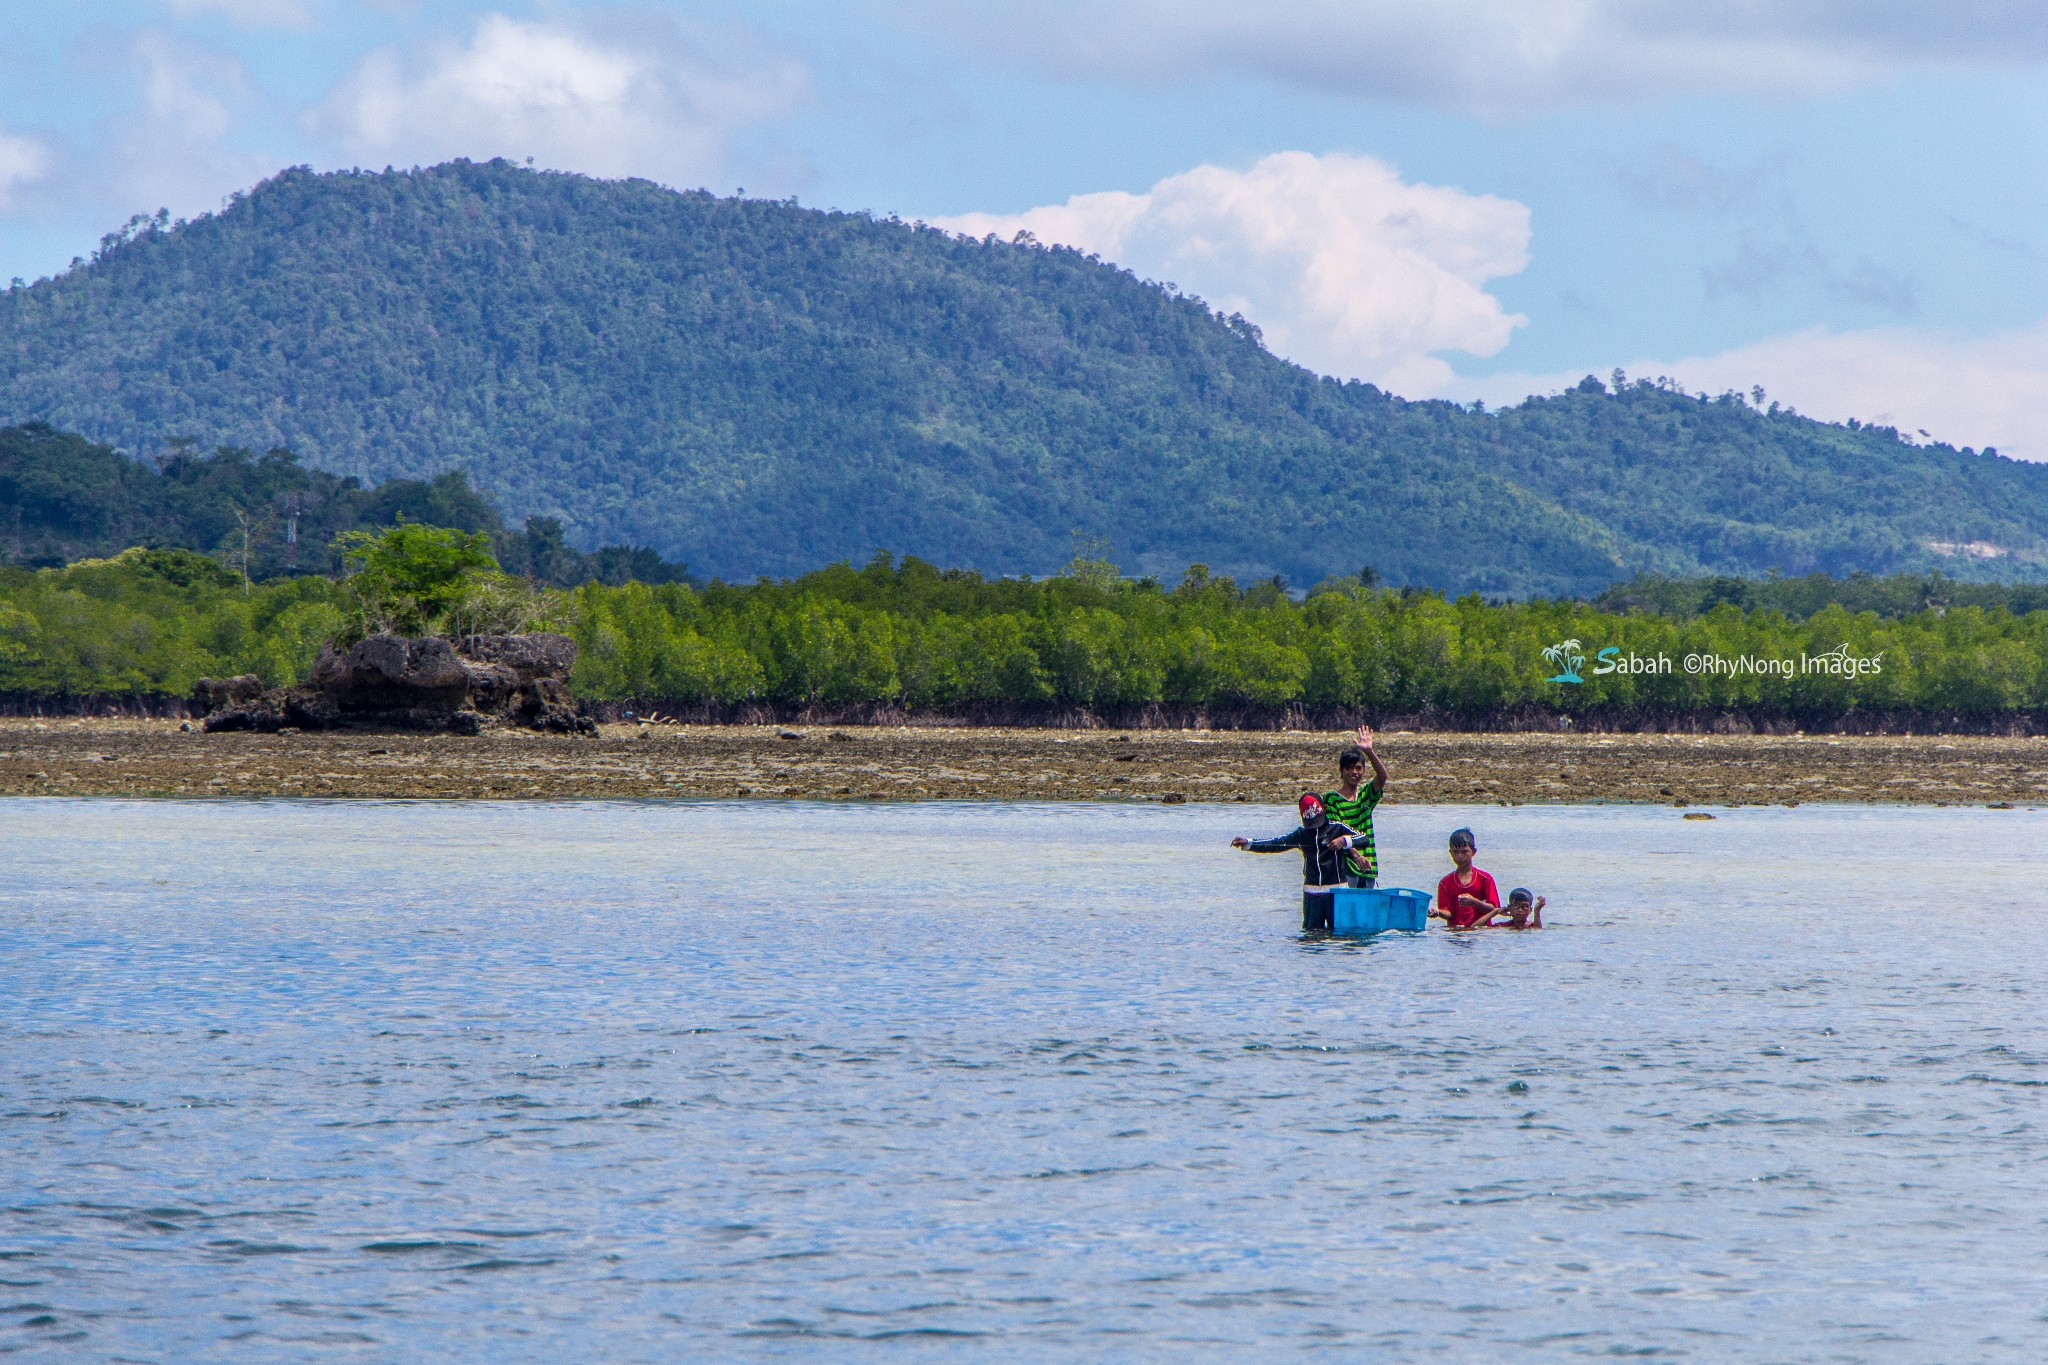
(397, 682)
(217, 694)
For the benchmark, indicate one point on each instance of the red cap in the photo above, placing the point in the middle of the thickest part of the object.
(1310, 804)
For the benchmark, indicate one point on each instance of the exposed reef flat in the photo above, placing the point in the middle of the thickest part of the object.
(156, 758)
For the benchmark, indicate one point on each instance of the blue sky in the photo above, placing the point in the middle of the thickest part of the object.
(1839, 200)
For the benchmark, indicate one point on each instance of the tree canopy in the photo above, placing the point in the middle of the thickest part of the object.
(63, 498)
(907, 635)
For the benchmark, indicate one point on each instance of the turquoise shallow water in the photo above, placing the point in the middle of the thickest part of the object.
(302, 1081)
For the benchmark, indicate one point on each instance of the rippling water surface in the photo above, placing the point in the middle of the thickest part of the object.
(611, 1082)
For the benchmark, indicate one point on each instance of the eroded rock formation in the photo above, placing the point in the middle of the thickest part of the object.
(402, 683)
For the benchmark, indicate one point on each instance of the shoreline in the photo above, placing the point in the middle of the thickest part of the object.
(158, 758)
(1776, 721)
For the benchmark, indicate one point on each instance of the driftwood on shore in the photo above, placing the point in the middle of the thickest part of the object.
(395, 682)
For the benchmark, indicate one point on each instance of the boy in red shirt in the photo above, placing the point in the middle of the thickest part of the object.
(1467, 896)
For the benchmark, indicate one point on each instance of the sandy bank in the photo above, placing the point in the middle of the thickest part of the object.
(156, 758)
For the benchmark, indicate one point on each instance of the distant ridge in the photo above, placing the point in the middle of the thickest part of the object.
(759, 388)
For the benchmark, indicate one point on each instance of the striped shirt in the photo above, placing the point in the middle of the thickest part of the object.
(1357, 813)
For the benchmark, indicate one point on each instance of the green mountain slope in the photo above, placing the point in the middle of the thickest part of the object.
(759, 388)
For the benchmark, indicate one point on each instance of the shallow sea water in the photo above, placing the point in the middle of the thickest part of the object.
(638, 1082)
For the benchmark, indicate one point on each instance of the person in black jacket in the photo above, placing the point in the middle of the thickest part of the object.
(1322, 842)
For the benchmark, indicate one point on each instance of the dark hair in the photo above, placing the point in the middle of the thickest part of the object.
(1520, 893)
(1463, 836)
(1353, 756)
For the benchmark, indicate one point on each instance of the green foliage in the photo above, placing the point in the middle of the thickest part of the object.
(904, 633)
(417, 580)
(765, 388)
(642, 641)
(1886, 595)
(62, 498)
(908, 634)
(541, 551)
(153, 621)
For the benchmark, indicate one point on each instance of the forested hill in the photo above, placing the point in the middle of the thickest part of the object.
(758, 388)
(64, 499)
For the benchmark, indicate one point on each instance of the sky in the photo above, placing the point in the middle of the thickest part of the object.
(1844, 202)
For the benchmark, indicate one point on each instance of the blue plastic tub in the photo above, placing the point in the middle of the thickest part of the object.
(1359, 911)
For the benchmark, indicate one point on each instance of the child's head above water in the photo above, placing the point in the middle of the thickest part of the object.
(1463, 846)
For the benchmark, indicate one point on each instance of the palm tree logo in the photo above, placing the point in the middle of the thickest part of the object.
(1567, 659)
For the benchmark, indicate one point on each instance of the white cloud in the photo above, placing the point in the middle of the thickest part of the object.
(1347, 268)
(184, 93)
(618, 96)
(179, 150)
(1480, 54)
(1968, 391)
(23, 161)
(179, 138)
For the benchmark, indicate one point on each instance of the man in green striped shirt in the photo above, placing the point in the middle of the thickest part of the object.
(1352, 804)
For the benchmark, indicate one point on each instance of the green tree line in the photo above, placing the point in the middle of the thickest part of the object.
(909, 635)
(1899, 594)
